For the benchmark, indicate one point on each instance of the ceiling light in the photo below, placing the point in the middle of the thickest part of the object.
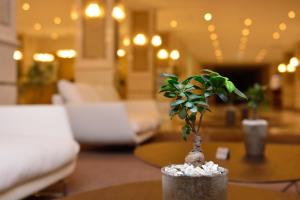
(175, 55)
(294, 61)
(140, 39)
(17, 55)
(291, 68)
(215, 43)
(57, 20)
(211, 28)
(173, 23)
(43, 57)
(213, 36)
(282, 26)
(26, 6)
(156, 41)
(118, 12)
(245, 32)
(54, 36)
(281, 68)
(291, 14)
(37, 26)
(66, 53)
(218, 52)
(276, 35)
(121, 53)
(74, 15)
(208, 17)
(248, 22)
(162, 54)
(244, 39)
(93, 10)
(126, 41)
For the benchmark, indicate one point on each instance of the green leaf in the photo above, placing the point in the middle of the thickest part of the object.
(240, 94)
(179, 101)
(199, 79)
(182, 114)
(170, 95)
(222, 96)
(168, 87)
(188, 104)
(208, 71)
(186, 81)
(229, 86)
(217, 81)
(172, 76)
(193, 97)
(194, 109)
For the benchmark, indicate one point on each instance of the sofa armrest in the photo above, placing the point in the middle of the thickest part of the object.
(57, 99)
(100, 123)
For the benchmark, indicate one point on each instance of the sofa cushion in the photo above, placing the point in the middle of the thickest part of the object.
(69, 92)
(25, 158)
(87, 93)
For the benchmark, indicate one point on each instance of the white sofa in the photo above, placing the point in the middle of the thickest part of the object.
(98, 116)
(37, 149)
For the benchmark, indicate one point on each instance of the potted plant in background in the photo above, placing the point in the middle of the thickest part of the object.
(196, 179)
(255, 129)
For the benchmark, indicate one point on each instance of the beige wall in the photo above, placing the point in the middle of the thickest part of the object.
(8, 44)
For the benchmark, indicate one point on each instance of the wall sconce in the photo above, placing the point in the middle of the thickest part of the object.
(17, 55)
(156, 41)
(93, 10)
(43, 57)
(282, 68)
(118, 12)
(121, 53)
(140, 39)
(175, 55)
(294, 61)
(66, 53)
(162, 54)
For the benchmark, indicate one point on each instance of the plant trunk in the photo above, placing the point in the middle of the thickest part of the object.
(254, 113)
(196, 156)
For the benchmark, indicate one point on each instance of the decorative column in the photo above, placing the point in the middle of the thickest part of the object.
(8, 43)
(297, 81)
(141, 69)
(96, 45)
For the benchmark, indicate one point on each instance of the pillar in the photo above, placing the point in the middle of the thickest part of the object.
(141, 67)
(8, 43)
(96, 46)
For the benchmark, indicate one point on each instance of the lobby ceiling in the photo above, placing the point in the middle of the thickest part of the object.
(227, 17)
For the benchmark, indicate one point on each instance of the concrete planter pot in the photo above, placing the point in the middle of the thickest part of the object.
(255, 137)
(194, 188)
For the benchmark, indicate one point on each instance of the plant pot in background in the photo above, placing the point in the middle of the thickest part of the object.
(194, 188)
(230, 116)
(255, 137)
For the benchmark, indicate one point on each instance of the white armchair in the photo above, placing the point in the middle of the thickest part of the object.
(99, 121)
(37, 149)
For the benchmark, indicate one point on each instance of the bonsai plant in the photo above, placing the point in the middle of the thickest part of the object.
(190, 103)
(255, 129)
(256, 97)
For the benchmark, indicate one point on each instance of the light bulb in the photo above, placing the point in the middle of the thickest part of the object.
(156, 41)
(93, 10)
(118, 13)
(175, 55)
(140, 39)
(162, 54)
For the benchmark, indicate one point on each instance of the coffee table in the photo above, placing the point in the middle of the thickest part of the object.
(280, 164)
(152, 191)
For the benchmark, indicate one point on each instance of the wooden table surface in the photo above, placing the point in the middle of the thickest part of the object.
(281, 162)
(152, 191)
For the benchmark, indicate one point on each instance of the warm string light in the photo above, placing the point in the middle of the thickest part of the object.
(162, 54)
(173, 23)
(175, 55)
(244, 37)
(156, 40)
(121, 53)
